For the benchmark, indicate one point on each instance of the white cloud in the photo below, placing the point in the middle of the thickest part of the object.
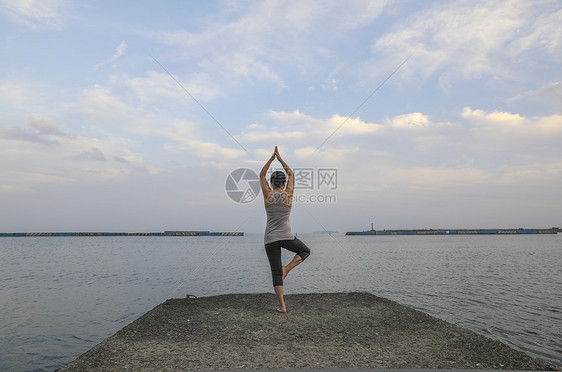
(156, 86)
(24, 134)
(186, 140)
(415, 121)
(99, 99)
(551, 92)
(294, 116)
(214, 151)
(37, 14)
(497, 119)
(119, 51)
(340, 125)
(434, 178)
(509, 125)
(94, 154)
(15, 95)
(206, 150)
(38, 131)
(336, 124)
(430, 143)
(43, 157)
(24, 97)
(495, 139)
(413, 149)
(298, 131)
(330, 156)
(41, 178)
(142, 105)
(121, 48)
(107, 111)
(304, 153)
(263, 34)
(45, 128)
(546, 173)
(544, 33)
(272, 136)
(549, 125)
(466, 39)
(301, 130)
(181, 131)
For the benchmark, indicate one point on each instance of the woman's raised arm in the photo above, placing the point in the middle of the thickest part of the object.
(265, 189)
(291, 181)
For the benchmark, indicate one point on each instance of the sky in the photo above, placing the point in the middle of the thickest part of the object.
(131, 115)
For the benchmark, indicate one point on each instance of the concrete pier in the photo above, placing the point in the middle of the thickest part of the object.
(165, 233)
(553, 230)
(319, 331)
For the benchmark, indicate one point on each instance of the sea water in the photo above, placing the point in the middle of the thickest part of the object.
(61, 296)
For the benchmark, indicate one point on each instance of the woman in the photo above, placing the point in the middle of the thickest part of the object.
(278, 202)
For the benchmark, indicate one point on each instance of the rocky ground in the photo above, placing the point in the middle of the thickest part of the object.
(331, 330)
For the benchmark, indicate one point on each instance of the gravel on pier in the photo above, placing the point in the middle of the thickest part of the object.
(326, 330)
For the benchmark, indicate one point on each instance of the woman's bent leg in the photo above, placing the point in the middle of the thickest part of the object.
(294, 262)
(301, 250)
(296, 246)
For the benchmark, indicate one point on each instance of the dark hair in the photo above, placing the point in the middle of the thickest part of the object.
(277, 179)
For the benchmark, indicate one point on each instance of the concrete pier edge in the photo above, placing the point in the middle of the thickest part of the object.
(321, 331)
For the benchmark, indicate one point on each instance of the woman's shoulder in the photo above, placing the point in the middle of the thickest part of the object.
(267, 194)
(268, 199)
(287, 198)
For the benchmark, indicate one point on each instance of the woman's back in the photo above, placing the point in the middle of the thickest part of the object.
(278, 226)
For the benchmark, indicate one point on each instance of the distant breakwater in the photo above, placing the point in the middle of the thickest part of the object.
(553, 230)
(165, 233)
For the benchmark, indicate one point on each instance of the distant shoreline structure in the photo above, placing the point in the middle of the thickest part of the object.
(519, 231)
(165, 233)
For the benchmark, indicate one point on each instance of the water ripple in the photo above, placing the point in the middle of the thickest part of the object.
(62, 296)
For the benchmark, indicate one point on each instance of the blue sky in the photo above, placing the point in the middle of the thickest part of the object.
(96, 135)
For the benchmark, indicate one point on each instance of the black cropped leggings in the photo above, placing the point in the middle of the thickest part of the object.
(273, 251)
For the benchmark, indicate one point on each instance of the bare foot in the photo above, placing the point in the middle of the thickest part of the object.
(282, 310)
(285, 272)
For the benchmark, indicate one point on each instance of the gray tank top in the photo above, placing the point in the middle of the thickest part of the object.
(278, 227)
